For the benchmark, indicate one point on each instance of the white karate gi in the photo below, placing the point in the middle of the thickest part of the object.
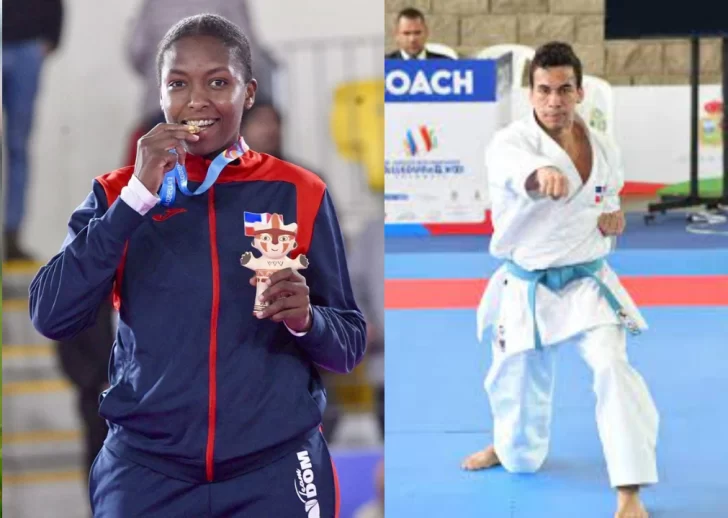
(538, 233)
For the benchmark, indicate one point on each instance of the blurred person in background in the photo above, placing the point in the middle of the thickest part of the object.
(410, 35)
(214, 404)
(262, 129)
(367, 272)
(84, 359)
(149, 27)
(374, 508)
(31, 32)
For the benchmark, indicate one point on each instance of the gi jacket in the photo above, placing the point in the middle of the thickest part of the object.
(537, 233)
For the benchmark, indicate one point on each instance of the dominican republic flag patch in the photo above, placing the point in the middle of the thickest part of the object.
(251, 218)
(599, 193)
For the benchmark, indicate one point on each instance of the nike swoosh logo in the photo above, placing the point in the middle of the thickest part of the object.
(167, 214)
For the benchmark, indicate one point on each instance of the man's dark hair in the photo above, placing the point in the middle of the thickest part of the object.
(214, 26)
(411, 14)
(555, 54)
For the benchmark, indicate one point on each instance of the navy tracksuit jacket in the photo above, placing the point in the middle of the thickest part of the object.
(201, 390)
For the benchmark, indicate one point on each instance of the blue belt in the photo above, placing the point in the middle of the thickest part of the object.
(557, 278)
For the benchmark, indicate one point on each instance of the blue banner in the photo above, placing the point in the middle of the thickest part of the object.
(440, 81)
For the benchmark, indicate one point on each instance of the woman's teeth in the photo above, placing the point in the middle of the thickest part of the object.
(195, 126)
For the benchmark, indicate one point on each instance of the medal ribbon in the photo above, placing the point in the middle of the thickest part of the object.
(178, 175)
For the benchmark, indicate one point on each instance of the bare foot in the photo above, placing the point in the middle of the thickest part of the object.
(483, 459)
(629, 504)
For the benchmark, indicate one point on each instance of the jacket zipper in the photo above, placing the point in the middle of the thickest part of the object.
(212, 388)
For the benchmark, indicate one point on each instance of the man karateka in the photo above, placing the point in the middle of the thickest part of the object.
(555, 204)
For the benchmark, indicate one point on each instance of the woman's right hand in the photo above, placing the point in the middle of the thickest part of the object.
(154, 158)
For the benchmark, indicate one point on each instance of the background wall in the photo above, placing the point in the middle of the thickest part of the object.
(469, 25)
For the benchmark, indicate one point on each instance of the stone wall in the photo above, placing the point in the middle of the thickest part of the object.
(470, 25)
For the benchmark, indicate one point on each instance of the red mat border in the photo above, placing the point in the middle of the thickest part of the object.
(704, 290)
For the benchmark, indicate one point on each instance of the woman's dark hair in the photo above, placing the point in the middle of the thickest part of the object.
(214, 26)
(555, 54)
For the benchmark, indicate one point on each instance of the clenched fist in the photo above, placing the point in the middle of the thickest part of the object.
(611, 223)
(552, 182)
